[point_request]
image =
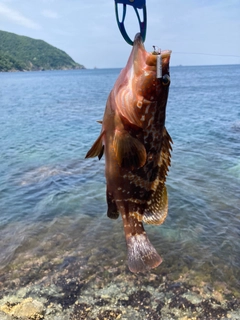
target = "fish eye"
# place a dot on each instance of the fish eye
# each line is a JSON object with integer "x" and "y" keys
{"x": 166, "y": 80}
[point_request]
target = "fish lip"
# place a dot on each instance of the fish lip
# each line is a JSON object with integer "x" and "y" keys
{"x": 166, "y": 53}
{"x": 138, "y": 39}
{"x": 138, "y": 49}
{"x": 138, "y": 43}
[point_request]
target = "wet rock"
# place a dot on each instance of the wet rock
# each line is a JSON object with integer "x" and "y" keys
{"x": 180, "y": 302}
{"x": 139, "y": 299}
{"x": 77, "y": 291}
{"x": 233, "y": 304}
{"x": 70, "y": 292}
{"x": 109, "y": 315}
{"x": 193, "y": 297}
{"x": 160, "y": 306}
{"x": 80, "y": 311}
{"x": 177, "y": 287}
{"x": 4, "y": 316}
{"x": 101, "y": 302}
{"x": 27, "y": 308}
{"x": 211, "y": 312}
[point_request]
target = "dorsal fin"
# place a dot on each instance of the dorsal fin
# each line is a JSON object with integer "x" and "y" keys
{"x": 165, "y": 154}
{"x": 97, "y": 148}
{"x": 157, "y": 207}
{"x": 130, "y": 152}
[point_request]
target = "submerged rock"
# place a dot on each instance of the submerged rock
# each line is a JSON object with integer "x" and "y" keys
{"x": 27, "y": 308}
{"x": 4, "y": 316}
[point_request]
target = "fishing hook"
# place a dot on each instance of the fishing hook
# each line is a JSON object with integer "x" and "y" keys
{"x": 136, "y": 4}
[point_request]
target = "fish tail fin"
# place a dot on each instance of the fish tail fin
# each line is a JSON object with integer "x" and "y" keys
{"x": 142, "y": 256}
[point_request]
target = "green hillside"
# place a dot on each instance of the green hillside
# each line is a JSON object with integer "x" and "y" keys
{"x": 20, "y": 53}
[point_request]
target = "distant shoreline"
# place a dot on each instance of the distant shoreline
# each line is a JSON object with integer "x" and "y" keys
{"x": 42, "y": 70}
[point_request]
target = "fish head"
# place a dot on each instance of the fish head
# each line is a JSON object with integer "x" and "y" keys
{"x": 145, "y": 80}
{"x": 150, "y": 74}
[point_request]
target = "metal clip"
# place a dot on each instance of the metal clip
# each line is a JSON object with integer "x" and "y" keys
{"x": 159, "y": 65}
{"x": 136, "y": 4}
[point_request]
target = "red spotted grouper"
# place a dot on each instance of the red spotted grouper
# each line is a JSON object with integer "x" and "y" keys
{"x": 137, "y": 149}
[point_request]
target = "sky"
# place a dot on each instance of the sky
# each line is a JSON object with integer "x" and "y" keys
{"x": 199, "y": 32}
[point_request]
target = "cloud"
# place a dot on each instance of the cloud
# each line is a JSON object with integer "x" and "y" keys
{"x": 50, "y": 14}
{"x": 17, "y": 17}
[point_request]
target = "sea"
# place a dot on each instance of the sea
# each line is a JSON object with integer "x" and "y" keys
{"x": 52, "y": 199}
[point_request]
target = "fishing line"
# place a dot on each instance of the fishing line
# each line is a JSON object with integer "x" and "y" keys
{"x": 208, "y": 54}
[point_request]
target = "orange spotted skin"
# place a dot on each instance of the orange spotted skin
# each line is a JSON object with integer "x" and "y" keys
{"x": 137, "y": 149}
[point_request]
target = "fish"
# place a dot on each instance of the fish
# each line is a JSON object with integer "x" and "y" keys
{"x": 137, "y": 149}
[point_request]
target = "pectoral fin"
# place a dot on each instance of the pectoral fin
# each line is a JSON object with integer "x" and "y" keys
{"x": 130, "y": 152}
{"x": 97, "y": 148}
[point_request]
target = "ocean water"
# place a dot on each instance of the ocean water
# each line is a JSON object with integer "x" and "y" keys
{"x": 52, "y": 200}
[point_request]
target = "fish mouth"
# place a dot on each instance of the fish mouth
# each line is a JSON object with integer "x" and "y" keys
{"x": 139, "y": 49}
{"x": 138, "y": 43}
{"x": 138, "y": 39}
{"x": 166, "y": 53}
{"x": 138, "y": 55}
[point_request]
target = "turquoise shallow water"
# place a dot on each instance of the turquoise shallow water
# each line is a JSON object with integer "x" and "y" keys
{"x": 52, "y": 200}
